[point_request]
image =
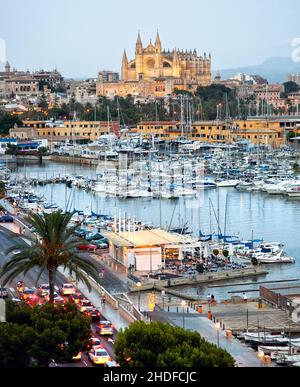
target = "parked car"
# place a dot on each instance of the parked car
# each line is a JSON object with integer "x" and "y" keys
{"x": 6, "y": 219}
{"x": 101, "y": 245}
{"x": 87, "y": 247}
{"x": 81, "y": 233}
{"x": 93, "y": 236}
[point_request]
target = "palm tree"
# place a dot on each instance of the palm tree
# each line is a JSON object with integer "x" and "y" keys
{"x": 54, "y": 245}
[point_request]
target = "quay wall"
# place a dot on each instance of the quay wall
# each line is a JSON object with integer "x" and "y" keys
{"x": 199, "y": 280}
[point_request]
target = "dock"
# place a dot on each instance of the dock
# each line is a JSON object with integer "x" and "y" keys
{"x": 203, "y": 279}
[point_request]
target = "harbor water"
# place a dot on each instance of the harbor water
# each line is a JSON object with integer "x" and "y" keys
{"x": 271, "y": 218}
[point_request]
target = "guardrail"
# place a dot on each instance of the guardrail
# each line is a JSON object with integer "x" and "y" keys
{"x": 126, "y": 314}
{"x": 101, "y": 290}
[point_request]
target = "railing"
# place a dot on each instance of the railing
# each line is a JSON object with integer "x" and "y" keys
{"x": 274, "y": 298}
{"x": 101, "y": 290}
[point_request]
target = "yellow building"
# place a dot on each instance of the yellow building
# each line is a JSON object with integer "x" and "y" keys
{"x": 157, "y": 72}
{"x": 73, "y": 130}
{"x": 255, "y": 131}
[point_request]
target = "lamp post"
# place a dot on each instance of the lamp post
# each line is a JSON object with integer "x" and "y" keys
{"x": 183, "y": 304}
{"x": 218, "y": 327}
{"x": 151, "y": 259}
{"x": 163, "y": 293}
{"x": 139, "y": 288}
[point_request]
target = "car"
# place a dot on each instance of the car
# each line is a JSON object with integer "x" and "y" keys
{"x": 101, "y": 245}
{"x": 99, "y": 356}
{"x": 100, "y": 240}
{"x": 27, "y": 293}
{"x": 81, "y": 233}
{"x": 3, "y": 293}
{"x": 93, "y": 342}
{"x": 76, "y": 298}
{"x": 47, "y": 297}
{"x": 105, "y": 328}
{"x": 35, "y": 300}
{"x": 87, "y": 247}
{"x": 77, "y": 357}
{"x": 111, "y": 363}
{"x": 59, "y": 301}
{"x": 93, "y": 313}
{"x": 67, "y": 290}
{"x": 91, "y": 236}
{"x": 44, "y": 290}
{"x": 6, "y": 219}
{"x": 84, "y": 304}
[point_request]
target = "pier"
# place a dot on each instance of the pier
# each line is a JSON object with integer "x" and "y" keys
{"x": 199, "y": 280}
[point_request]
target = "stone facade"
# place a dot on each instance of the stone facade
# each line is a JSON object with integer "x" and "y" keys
{"x": 157, "y": 72}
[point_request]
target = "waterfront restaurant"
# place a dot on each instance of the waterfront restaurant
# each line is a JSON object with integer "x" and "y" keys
{"x": 148, "y": 250}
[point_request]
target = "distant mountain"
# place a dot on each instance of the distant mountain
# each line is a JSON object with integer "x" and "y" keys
{"x": 273, "y": 69}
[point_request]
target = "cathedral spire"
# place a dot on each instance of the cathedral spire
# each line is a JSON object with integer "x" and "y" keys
{"x": 125, "y": 59}
{"x": 158, "y": 42}
{"x": 139, "y": 44}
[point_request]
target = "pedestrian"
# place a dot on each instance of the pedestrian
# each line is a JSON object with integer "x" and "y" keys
{"x": 209, "y": 298}
{"x": 245, "y": 297}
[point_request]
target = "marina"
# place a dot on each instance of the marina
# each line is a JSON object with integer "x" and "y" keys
{"x": 207, "y": 213}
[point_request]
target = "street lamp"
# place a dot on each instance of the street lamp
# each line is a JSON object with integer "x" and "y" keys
{"x": 163, "y": 293}
{"x": 261, "y": 356}
{"x": 218, "y": 327}
{"x": 139, "y": 288}
{"x": 183, "y": 304}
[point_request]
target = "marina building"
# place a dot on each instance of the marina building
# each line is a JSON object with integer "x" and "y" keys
{"x": 147, "y": 250}
{"x": 264, "y": 132}
{"x": 83, "y": 131}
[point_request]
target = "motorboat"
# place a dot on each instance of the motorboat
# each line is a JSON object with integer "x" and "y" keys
{"x": 228, "y": 183}
{"x": 265, "y": 339}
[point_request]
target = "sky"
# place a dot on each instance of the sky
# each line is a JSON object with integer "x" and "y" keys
{"x": 80, "y": 38}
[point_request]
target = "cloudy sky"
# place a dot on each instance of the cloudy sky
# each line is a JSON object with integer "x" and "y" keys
{"x": 82, "y": 37}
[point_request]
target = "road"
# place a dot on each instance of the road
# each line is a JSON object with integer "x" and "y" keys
{"x": 6, "y": 242}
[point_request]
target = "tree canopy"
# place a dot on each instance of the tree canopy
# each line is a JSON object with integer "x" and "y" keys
{"x": 32, "y": 337}
{"x": 291, "y": 87}
{"x": 162, "y": 345}
{"x": 8, "y": 121}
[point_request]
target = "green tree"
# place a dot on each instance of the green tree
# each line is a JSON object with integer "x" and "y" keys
{"x": 34, "y": 336}
{"x": 162, "y": 345}
{"x": 12, "y": 149}
{"x": 43, "y": 102}
{"x": 43, "y": 150}
{"x": 8, "y": 121}
{"x": 54, "y": 245}
{"x": 290, "y": 87}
